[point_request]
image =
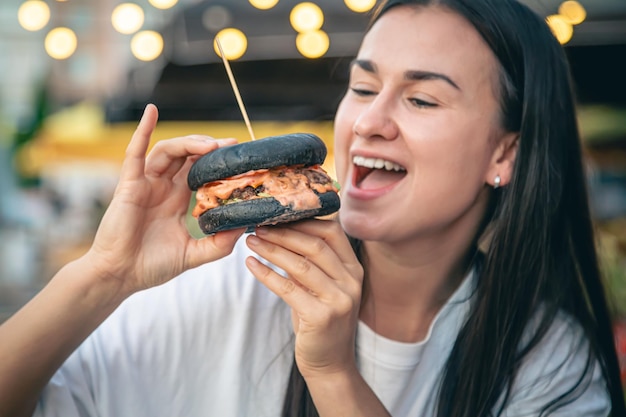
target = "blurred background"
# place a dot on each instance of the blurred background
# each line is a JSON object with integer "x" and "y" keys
{"x": 76, "y": 75}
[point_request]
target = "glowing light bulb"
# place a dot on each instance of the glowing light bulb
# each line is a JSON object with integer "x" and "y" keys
{"x": 60, "y": 43}
{"x": 33, "y": 15}
{"x": 163, "y": 4}
{"x": 312, "y": 44}
{"x": 127, "y": 18}
{"x": 360, "y": 6}
{"x": 233, "y": 41}
{"x": 263, "y": 4}
{"x": 306, "y": 17}
{"x": 560, "y": 27}
{"x": 146, "y": 45}
{"x": 573, "y": 11}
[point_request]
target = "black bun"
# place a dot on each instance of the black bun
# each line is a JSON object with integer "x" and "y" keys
{"x": 273, "y": 151}
{"x": 261, "y": 212}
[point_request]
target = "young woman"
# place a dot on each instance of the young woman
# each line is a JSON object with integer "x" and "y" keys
{"x": 460, "y": 280}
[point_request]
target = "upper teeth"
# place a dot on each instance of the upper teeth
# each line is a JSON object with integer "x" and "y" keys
{"x": 376, "y": 163}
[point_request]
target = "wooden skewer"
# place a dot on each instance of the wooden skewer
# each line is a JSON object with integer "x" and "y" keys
{"x": 242, "y": 108}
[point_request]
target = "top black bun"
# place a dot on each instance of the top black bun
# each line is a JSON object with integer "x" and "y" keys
{"x": 274, "y": 151}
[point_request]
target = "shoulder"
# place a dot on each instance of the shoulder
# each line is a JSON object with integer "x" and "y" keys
{"x": 561, "y": 371}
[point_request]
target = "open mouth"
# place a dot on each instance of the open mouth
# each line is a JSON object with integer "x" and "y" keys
{"x": 376, "y": 173}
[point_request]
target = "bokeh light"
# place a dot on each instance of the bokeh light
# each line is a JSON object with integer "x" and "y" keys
{"x": 360, "y": 6}
{"x": 33, "y": 15}
{"x": 573, "y": 11}
{"x": 127, "y": 18}
{"x": 312, "y": 44}
{"x": 306, "y": 17}
{"x": 216, "y": 18}
{"x": 233, "y": 41}
{"x": 560, "y": 27}
{"x": 146, "y": 45}
{"x": 163, "y": 4}
{"x": 61, "y": 43}
{"x": 263, "y": 4}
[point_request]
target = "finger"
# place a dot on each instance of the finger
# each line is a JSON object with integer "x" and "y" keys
{"x": 297, "y": 297}
{"x": 296, "y": 266}
{"x": 323, "y": 243}
{"x": 179, "y": 178}
{"x": 333, "y": 234}
{"x": 133, "y": 165}
{"x": 180, "y": 189}
{"x": 211, "y": 248}
{"x": 168, "y": 156}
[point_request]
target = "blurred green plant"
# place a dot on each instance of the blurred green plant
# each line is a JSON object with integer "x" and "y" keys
{"x": 612, "y": 243}
{"x": 612, "y": 253}
{"x": 28, "y": 130}
{"x": 601, "y": 123}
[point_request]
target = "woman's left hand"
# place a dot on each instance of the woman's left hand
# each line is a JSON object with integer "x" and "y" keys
{"x": 322, "y": 287}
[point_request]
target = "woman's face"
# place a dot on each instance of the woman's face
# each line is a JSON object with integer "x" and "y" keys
{"x": 416, "y": 131}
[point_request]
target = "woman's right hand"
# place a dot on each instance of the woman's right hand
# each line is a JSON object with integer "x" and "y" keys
{"x": 142, "y": 240}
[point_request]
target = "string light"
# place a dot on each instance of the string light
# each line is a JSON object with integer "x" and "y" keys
{"x": 33, "y": 15}
{"x": 127, "y": 18}
{"x": 573, "y": 11}
{"x": 263, "y": 4}
{"x": 60, "y": 43}
{"x": 146, "y": 45}
{"x": 234, "y": 43}
{"x": 163, "y": 4}
{"x": 560, "y": 27}
{"x": 360, "y": 6}
{"x": 312, "y": 44}
{"x": 306, "y": 17}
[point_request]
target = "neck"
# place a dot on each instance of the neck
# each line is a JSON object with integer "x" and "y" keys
{"x": 405, "y": 289}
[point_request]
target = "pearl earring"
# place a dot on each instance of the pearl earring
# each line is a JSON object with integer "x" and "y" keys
{"x": 496, "y": 182}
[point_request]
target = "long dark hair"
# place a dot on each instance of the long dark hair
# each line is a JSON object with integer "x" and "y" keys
{"x": 541, "y": 260}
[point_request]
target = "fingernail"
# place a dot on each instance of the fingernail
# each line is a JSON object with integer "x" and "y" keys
{"x": 252, "y": 262}
{"x": 261, "y": 231}
{"x": 253, "y": 240}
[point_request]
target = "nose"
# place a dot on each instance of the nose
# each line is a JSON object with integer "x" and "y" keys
{"x": 376, "y": 120}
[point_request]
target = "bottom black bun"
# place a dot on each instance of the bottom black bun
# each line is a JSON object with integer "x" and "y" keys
{"x": 261, "y": 212}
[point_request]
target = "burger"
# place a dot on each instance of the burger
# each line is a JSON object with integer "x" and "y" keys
{"x": 268, "y": 181}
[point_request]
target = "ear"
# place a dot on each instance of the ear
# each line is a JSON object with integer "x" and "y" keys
{"x": 503, "y": 159}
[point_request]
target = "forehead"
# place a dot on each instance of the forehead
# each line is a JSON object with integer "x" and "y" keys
{"x": 429, "y": 38}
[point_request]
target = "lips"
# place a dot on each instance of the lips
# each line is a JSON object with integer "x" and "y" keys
{"x": 376, "y": 173}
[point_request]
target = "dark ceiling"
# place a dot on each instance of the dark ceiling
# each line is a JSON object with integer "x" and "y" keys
{"x": 276, "y": 83}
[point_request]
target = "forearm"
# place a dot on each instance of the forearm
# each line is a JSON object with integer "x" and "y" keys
{"x": 36, "y": 341}
{"x": 345, "y": 395}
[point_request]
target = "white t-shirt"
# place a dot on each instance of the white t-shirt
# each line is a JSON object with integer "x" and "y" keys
{"x": 216, "y": 342}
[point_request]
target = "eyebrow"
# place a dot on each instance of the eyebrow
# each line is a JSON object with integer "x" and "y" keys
{"x": 410, "y": 75}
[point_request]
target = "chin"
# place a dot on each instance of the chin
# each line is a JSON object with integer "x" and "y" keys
{"x": 361, "y": 226}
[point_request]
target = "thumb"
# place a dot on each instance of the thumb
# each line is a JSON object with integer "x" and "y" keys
{"x": 211, "y": 248}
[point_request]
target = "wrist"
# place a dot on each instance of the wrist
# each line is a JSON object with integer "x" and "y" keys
{"x": 98, "y": 285}
{"x": 343, "y": 392}
{"x": 341, "y": 377}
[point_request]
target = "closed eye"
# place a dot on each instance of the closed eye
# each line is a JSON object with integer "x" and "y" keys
{"x": 421, "y": 103}
{"x": 361, "y": 92}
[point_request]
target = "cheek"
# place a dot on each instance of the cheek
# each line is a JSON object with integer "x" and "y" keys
{"x": 343, "y": 137}
{"x": 445, "y": 161}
